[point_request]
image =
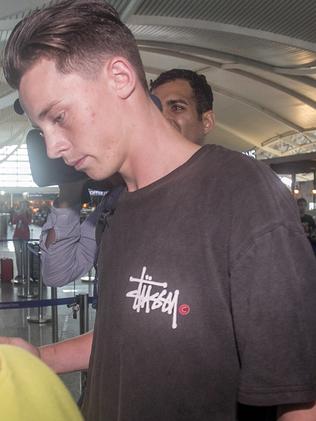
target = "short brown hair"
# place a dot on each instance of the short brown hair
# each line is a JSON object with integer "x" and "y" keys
{"x": 76, "y": 34}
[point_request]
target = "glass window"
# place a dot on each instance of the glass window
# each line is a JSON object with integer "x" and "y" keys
{"x": 15, "y": 170}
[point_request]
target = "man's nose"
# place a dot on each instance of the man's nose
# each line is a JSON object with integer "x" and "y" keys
{"x": 54, "y": 145}
{"x": 169, "y": 117}
{"x": 173, "y": 123}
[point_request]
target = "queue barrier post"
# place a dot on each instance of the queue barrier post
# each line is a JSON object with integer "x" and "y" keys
{"x": 84, "y": 313}
{"x": 54, "y": 316}
{"x": 26, "y": 268}
{"x": 21, "y": 251}
{"x": 40, "y": 319}
{"x": 83, "y": 301}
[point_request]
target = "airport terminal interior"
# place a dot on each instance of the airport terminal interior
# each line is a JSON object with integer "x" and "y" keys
{"x": 35, "y": 324}
{"x": 260, "y": 59}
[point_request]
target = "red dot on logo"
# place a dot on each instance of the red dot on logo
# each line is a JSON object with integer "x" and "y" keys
{"x": 184, "y": 309}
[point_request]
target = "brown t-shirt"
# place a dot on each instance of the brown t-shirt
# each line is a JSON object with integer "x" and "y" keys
{"x": 207, "y": 297}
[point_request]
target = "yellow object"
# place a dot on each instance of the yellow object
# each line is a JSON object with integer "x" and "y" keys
{"x": 30, "y": 391}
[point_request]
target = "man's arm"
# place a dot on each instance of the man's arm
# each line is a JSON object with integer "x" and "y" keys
{"x": 62, "y": 357}
{"x": 69, "y": 355}
{"x": 302, "y": 412}
{"x": 69, "y": 198}
{"x": 71, "y": 246}
{"x": 68, "y": 248}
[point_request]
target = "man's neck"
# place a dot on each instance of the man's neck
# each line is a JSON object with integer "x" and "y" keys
{"x": 155, "y": 150}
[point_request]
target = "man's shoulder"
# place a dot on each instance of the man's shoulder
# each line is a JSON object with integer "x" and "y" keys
{"x": 236, "y": 165}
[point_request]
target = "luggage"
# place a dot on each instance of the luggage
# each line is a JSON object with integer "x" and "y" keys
{"x": 35, "y": 264}
{"x": 6, "y": 267}
{"x": 35, "y": 267}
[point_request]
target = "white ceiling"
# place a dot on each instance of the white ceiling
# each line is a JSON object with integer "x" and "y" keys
{"x": 258, "y": 55}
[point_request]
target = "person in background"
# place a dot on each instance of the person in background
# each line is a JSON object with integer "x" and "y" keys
{"x": 22, "y": 218}
{"x": 200, "y": 290}
{"x": 68, "y": 247}
{"x": 307, "y": 222}
{"x": 306, "y": 219}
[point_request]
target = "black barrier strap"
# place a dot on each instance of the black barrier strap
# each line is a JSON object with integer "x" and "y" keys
{"x": 39, "y": 303}
{"x": 6, "y": 240}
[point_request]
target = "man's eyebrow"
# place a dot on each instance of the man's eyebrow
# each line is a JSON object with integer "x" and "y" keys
{"x": 177, "y": 101}
{"x": 47, "y": 109}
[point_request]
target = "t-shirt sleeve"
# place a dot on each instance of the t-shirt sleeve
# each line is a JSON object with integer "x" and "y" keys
{"x": 273, "y": 298}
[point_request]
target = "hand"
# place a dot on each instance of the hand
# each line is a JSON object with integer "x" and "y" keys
{"x": 70, "y": 193}
{"x": 21, "y": 343}
{"x": 297, "y": 412}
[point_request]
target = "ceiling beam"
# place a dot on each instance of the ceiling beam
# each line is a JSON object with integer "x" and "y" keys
{"x": 302, "y": 98}
{"x": 207, "y": 25}
{"x": 211, "y": 63}
{"x": 275, "y": 116}
{"x": 232, "y": 59}
{"x": 12, "y": 8}
{"x": 244, "y": 138}
{"x": 129, "y": 10}
{"x": 298, "y": 148}
{"x": 300, "y": 71}
{"x": 287, "y": 134}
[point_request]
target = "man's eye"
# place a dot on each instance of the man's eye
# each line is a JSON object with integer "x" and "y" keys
{"x": 177, "y": 108}
{"x": 60, "y": 118}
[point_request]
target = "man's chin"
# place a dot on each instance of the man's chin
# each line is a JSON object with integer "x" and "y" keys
{"x": 95, "y": 175}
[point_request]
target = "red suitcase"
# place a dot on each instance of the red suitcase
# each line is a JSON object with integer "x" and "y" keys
{"x": 6, "y": 266}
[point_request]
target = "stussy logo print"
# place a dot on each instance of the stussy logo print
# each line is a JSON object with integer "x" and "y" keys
{"x": 148, "y": 298}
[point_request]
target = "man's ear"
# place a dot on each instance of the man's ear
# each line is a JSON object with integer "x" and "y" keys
{"x": 208, "y": 120}
{"x": 122, "y": 76}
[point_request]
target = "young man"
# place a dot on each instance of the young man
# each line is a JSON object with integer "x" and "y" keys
{"x": 208, "y": 297}
{"x": 68, "y": 247}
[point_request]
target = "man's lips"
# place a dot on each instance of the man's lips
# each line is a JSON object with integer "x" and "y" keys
{"x": 77, "y": 164}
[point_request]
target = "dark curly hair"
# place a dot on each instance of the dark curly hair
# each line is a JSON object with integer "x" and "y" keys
{"x": 201, "y": 89}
